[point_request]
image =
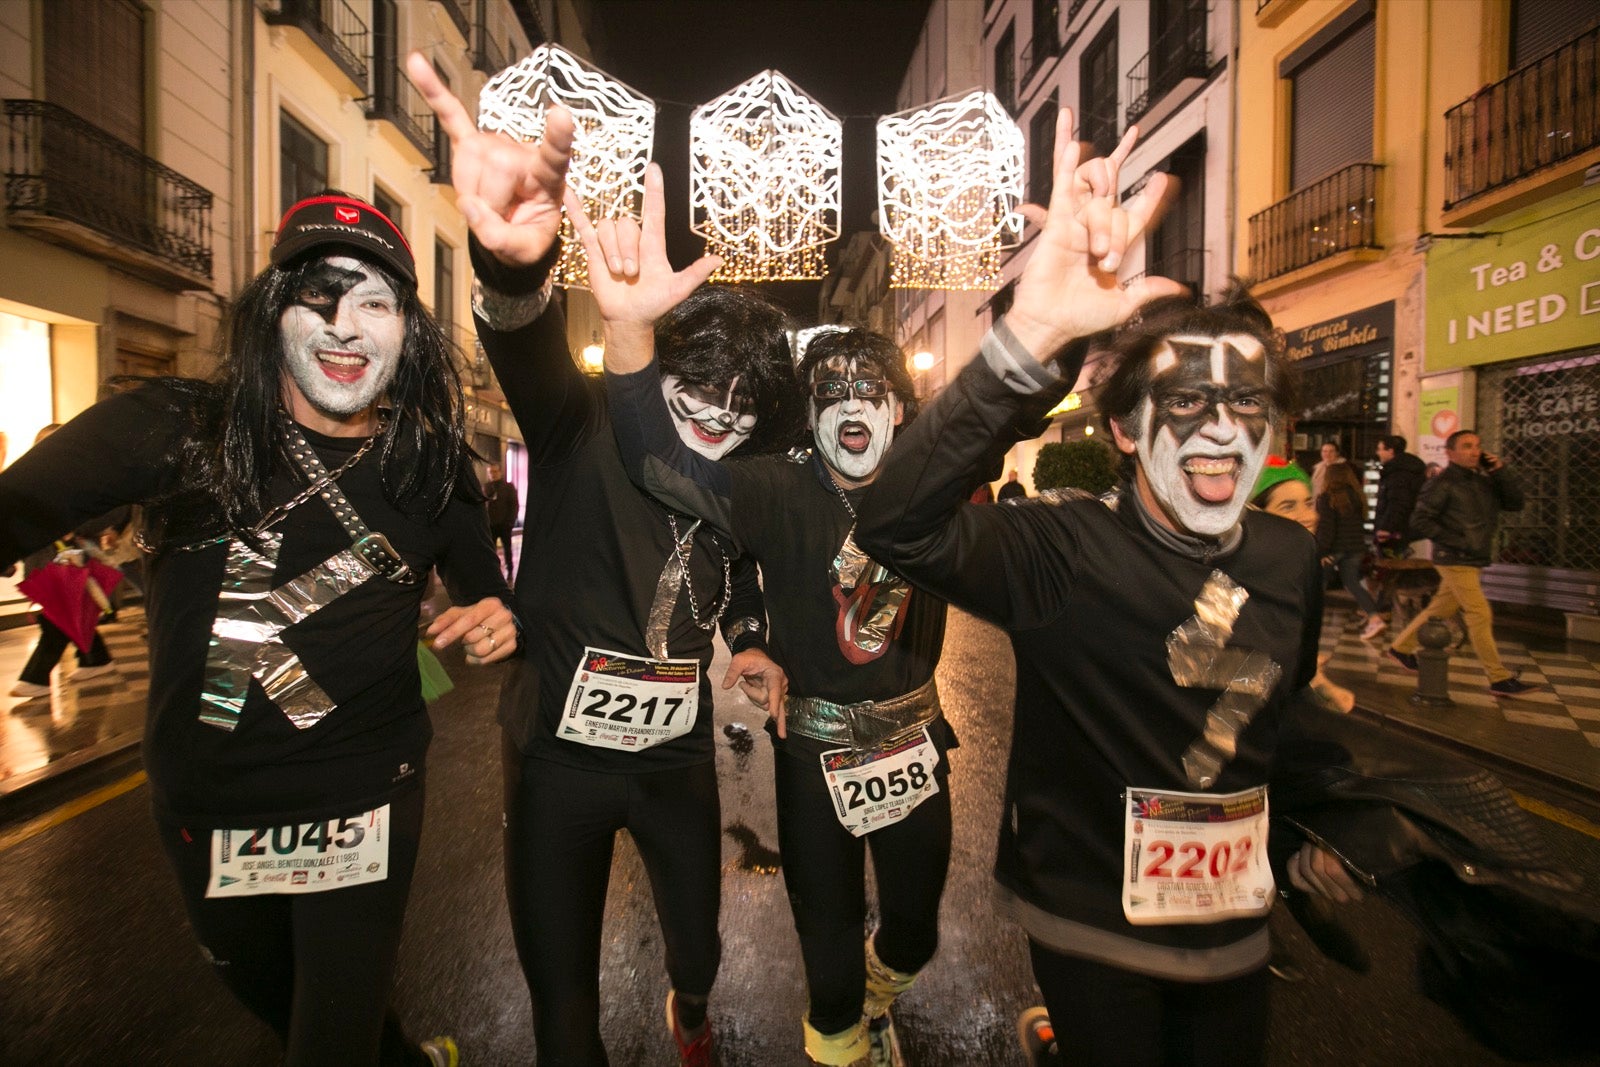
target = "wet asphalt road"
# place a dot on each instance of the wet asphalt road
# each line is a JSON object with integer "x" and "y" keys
{"x": 97, "y": 965}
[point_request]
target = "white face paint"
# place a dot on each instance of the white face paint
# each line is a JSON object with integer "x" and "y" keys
{"x": 1205, "y": 430}
{"x": 852, "y": 433}
{"x": 341, "y": 336}
{"x": 712, "y": 419}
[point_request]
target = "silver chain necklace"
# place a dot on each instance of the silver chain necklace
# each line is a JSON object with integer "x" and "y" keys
{"x": 839, "y": 490}
{"x": 683, "y": 548}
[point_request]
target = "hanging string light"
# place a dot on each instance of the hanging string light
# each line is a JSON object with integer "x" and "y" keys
{"x": 949, "y": 185}
{"x": 764, "y": 180}
{"x": 615, "y": 126}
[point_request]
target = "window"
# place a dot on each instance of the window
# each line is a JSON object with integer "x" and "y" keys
{"x": 94, "y": 64}
{"x": 444, "y": 287}
{"x": 1541, "y": 26}
{"x": 1176, "y": 247}
{"x": 302, "y": 162}
{"x": 1046, "y": 30}
{"x": 441, "y": 139}
{"x": 1331, "y": 81}
{"x": 385, "y": 202}
{"x": 1041, "y": 151}
{"x": 1005, "y": 69}
{"x": 1097, "y": 91}
{"x": 385, "y": 54}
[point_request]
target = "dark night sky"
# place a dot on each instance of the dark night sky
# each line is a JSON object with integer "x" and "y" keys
{"x": 848, "y": 55}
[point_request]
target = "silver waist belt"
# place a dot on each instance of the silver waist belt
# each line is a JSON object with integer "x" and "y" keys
{"x": 866, "y": 723}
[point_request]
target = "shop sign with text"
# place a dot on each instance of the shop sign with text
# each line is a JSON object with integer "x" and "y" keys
{"x": 1359, "y": 333}
{"x": 1531, "y": 287}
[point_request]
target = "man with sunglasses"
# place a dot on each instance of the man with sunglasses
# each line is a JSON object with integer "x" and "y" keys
{"x": 860, "y": 741}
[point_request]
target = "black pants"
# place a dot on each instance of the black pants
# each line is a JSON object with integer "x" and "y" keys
{"x": 47, "y": 653}
{"x": 500, "y": 536}
{"x": 1105, "y": 1015}
{"x": 824, "y": 868}
{"x": 561, "y": 824}
{"x": 316, "y": 967}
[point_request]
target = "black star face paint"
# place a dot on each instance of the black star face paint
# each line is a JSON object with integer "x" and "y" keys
{"x": 341, "y": 336}
{"x": 853, "y": 415}
{"x": 711, "y": 419}
{"x": 1205, "y": 430}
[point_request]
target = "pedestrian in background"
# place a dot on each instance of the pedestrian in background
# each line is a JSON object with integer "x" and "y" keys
{"x": 1342, "y": 539}
{"x": 1332, "y": 456}
{"x": 500, "y": 497}
{"x": 1459, "y": 512}
{"x": 1400, "y": 479}
{"x": 1012, "y": 488}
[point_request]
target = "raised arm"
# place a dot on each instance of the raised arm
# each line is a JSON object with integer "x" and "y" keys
{"x": 913, "y": 518}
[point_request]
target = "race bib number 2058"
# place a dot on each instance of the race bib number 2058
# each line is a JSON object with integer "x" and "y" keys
{"x": 308, "y": 857}
{"x": 871, "y": 790}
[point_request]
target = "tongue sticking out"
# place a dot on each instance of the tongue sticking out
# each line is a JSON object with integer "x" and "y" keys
{"x": 1213, "y": 481}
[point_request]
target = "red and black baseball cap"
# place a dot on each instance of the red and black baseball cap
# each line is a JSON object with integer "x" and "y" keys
{"x": 330, "y": 219}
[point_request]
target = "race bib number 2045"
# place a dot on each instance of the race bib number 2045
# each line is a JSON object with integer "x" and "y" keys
{"x": 308, "y": 857}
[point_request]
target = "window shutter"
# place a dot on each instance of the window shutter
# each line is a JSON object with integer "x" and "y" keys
{"x": 1332, "y": 107}
{"x": 1540, "y": 26}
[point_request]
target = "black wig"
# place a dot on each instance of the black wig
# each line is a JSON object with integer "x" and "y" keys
{"x": 869, "y": 345}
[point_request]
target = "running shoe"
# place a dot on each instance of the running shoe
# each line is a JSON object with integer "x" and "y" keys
{"x": 1376, "y": 624}
{"x": 83, "y": 674}
{"x": 1038, "y": 1038}
{"x": 697, "y": 1051}
{"x": 441, "y": 1051}
{"x": 885, "y": 1043}
{"x": 1511, "y": 687}
{"x": 30, "y": 690}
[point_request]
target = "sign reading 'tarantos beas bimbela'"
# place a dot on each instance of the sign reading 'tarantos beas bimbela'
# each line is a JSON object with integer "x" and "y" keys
{"x": 1530, "y": 288}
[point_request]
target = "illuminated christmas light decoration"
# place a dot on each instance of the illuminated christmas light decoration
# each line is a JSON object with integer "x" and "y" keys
{"x": 764, "y": 180}
{"x": 949, "y": 185}
{"x": 615, "y": 126}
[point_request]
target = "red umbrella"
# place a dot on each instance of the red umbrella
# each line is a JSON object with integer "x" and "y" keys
{"x": 62, "y": 592}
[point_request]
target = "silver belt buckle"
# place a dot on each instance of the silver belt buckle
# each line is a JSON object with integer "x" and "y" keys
{"x": 375, "y": 550}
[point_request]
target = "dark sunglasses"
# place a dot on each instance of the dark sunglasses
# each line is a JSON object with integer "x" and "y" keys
{"x": 865, "y": 388}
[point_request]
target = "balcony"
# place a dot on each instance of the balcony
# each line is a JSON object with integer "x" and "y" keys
{"x": 1036, "y": 53}
{"x": 335, "y": 27}
{"x": 488, "y": 56}
{"x": 1334, "y": 215}
{"x": 1186, "y": 266}
{"x": 1529, "y": 122}
{"x": 1177, "y": 59}
{"x": 394, "y": 99}
{"x": 458, "y": 15}
{"x": 74, "y": 184}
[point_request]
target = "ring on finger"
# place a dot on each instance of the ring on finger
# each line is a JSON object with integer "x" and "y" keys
{"x": 491, "y": 643}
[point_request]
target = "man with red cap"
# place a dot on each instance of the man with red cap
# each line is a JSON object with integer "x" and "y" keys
{"x": 295, "y": 503}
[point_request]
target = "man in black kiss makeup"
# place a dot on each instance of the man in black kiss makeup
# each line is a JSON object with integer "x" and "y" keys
{"x": 294, "y": 505}
{"x": 1163, "y": 636}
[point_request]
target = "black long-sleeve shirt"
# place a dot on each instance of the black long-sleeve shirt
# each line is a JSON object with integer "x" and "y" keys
{"x": 360, "y": 648}
{"x": 593, "y": 549}
{"x": 1089, "y": 594}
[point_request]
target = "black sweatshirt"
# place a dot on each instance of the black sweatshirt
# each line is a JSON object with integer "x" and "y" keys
{"x": 361, "y": 648}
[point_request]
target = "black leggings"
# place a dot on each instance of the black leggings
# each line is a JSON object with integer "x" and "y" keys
{"x": 316, "y": 967}
{"x": 561, "y": 824}
{"x": 1105, "y": 1015}
{"x": 47, "y": 653}
{"x": 824, "y": 867}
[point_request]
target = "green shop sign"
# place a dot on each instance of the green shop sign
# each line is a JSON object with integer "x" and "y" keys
{"x": 1530, "y": 288}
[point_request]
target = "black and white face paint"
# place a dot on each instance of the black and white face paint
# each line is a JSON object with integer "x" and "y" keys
{"x": 342, "y": 334}
{"x": 1205, "y": 429}
{"x": 712, "y": 419}
{"x": 853, "y": 415}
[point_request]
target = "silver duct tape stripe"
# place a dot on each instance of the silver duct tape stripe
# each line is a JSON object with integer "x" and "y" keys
{"x": 851, "y": 563}
{"x": 852, "y": 568}
{"x": 246, "y": 641}
{"x": 865, "y": 724}
{"x": 658, "y": 624}
{"x": 1197, "y": 659}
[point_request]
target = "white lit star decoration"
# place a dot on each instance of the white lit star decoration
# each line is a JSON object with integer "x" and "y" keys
{"x": 610, "y": 145}
{"x": 949, "y": 185}
{"x": 764, "y": 180}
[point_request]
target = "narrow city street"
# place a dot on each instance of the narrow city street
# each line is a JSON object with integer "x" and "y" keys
{"x": 97, "y": 965}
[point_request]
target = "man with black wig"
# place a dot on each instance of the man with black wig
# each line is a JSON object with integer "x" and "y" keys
{"x": 1163, "y": 637}
{"x": 296, "y": 503}
{"x": 608, "y": 717}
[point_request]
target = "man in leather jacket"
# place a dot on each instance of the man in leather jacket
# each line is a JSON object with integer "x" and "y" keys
{"x": 1458, "y": 511}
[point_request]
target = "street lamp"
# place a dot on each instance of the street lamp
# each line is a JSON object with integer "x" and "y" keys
{"x": 922, "y": 361}
{"x": 594, "y": 357}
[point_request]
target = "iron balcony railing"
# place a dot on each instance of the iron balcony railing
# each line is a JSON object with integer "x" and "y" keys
{"x": 458, "y": 15}
{"x": 60, "y": 167}
{"x": 1538, "y": 115}
{"x": 334, "y": 25}
{"x": 1186, "y": 265}
{"x": 396, "y": 100}
{"x": 1177, "y": 54}
{"x": 1330, "y": 216}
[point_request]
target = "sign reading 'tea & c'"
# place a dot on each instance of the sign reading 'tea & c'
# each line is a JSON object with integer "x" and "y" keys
{"x": 1531, "y": 288}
